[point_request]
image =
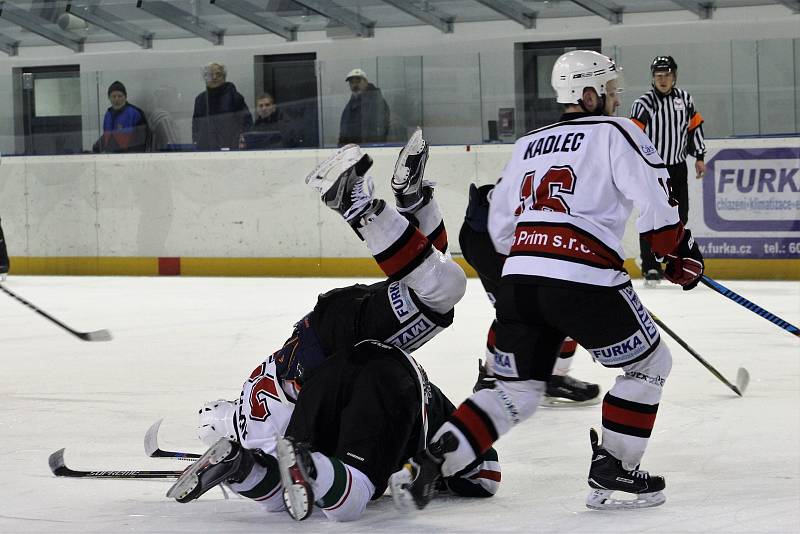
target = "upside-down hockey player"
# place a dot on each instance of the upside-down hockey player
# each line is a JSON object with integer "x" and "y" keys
{"x": 559, "y": 213}
{"x": 350, "y": 401}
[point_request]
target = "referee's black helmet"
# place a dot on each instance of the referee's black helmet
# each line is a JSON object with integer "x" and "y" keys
{"x": 662, "y": 64}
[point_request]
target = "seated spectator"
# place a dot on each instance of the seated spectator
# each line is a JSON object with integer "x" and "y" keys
{"x": 269, "y": 127}
{"x": 220, "y": 112}
{"x": 124, "y": 126}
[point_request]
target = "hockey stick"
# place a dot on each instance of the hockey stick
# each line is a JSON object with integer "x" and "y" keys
{"x": 152, "y": 449}
{"x": 60, "y": 469}
{"x": 97, "y": 335}
{"x": 742, "y": 376}
{"x": 755, "y": 308}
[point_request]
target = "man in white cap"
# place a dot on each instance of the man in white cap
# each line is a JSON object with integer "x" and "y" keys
{"x": 365, "y": 118}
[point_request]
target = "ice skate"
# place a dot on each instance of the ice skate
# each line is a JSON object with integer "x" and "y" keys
{"x": 652, "y": 278}
{"x": 225, "y": 461}
{"x": 407, "y": 182}
{"x": 566, "y": 391}
{"x": 297, "y": 470}
{"x": 485, "y": 381}
{"x": 607, "y": 475}
{"x": 417, "y": 481}
{"x": 343, "y": 185}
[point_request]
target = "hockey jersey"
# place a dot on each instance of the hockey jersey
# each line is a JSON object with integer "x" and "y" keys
{"x": 264, "y": 408}
{"x": 560, "y": 207}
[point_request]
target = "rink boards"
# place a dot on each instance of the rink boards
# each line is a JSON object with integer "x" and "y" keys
{"x": 249, "y": 213}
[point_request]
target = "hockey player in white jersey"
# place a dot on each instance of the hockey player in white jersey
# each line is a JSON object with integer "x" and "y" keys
{"x": 559, "y": 213}
{"x": 331, "y": 415}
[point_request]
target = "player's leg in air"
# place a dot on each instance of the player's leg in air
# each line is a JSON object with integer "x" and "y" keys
{"x": 620, "y": 335}
{"x": 476, "y": 246}
{"x": 408, "y": 241}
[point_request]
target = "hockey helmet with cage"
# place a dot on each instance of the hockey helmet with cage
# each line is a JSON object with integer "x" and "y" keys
{"x": 663, "y": 64}
{"x": 576, "y": 70}
{"x": 217, "y": 420}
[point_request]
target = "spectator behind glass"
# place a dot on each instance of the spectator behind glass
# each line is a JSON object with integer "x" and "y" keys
{"x": 124, "y": 126}
{"x": 365, "y": 118}
{"x": 164, "y": 133}
{"x": 220, "y": 112}
{"x": 268, "y": 128}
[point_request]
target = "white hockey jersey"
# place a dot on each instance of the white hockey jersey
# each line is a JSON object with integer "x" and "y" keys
{"x": 264, "y": 408}
{"x": 560, "y": 207}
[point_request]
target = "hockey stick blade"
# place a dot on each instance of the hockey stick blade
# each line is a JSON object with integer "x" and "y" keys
{"x": 98, "y": 335}
{"x": 60, "y": 469}
{"x": 152, "y": 449}
{"x": 745, "y": 377}
{"x": 742, "y": 380}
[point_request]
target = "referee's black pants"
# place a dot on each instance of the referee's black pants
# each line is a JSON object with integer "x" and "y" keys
{"x": 679, "y": 190}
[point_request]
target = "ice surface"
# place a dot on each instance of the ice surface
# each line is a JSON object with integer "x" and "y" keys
{"x": 732, "y": 464}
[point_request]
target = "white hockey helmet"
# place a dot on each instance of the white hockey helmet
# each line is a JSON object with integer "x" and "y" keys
{"x": 579, "y": 69}
{"x": 217, "y": 420}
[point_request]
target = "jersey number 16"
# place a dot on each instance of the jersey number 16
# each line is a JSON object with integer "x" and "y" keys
{"x": 556, "y": 182}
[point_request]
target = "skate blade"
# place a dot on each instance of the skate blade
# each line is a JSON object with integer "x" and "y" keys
{"x": 327, "y": 173}
{"x": 414, "y": 147}
{"x": 601, "y": 499}
{"x": 297, "y": 494}
{"x": 189, "y": 480}
{"x": 560, "y": 402}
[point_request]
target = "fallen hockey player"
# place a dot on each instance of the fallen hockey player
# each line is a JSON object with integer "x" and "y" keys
{"x": 330, "y": 416}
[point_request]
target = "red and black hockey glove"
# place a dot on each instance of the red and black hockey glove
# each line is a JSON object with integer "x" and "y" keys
{"x": 685, "y": 265}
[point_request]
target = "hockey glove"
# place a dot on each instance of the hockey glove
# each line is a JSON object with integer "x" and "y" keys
{"x": 685, "y": 265}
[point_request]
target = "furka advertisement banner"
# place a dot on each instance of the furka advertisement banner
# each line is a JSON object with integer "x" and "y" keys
{"x": 750, "y": 201}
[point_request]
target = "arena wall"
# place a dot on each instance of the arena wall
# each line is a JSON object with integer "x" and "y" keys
{"x": 250, "y": 214}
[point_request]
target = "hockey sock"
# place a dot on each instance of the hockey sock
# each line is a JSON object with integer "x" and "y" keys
{"x": 263, "y": 481}
{"x": 397, "y": 245}
{"x": 430, "y": 223}
{"x": 627, "y": 426}
{"x": 564, "y": 360}
{"x": 333, "y": 481}
{"x": 491, "y": 413}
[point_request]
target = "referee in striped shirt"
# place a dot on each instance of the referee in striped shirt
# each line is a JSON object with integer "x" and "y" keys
{"x": 668, "y": 117}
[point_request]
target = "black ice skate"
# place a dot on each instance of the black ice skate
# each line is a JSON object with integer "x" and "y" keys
{"x": 417, "y": 481}
{"x": 566, "y": 391}
{"x": 485, "y": 380}
{"x": 652, "y": 278}
{"x": 607, "y": 475}
{"x": 407, "y": 183}
{"x": 225, "y": 461}
{"x": 342, "y": 182}
{"x": 297, "y": 470}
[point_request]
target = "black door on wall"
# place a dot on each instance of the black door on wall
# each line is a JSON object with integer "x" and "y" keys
{"x": 51, "y": 109}
{"x": 538, "y": 59}
{"x": 291, "y": 79}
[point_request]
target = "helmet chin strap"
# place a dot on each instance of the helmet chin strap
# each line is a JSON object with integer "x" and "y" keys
{"x": 600, "y": 108}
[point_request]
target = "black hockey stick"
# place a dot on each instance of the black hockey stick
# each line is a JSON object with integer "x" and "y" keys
{"x": 152, "y": 449}
{"x": 60, "y": 469}
{"x": 755, "y": 308}
{"x": 742, "y": 376}
{"x": 97, "y": 335}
